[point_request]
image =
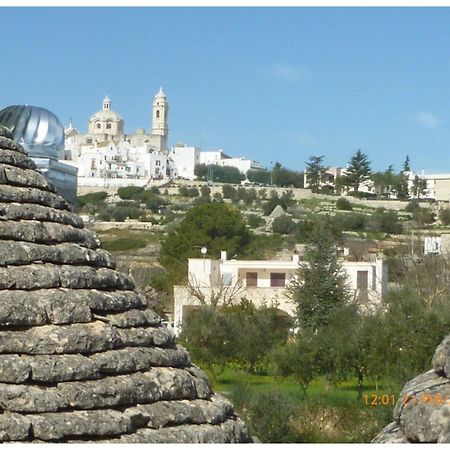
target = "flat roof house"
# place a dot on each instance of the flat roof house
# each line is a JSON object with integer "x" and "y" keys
{"x": 265, "y": 283}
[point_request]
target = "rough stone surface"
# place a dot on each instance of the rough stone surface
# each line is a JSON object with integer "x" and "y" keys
{"x": 82, "y": 357}
{"x": 422, "y": 412}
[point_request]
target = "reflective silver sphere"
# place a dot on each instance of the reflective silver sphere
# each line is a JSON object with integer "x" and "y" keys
{"x": 37, "y": 129}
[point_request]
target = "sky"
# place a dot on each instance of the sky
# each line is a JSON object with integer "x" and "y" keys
{"x": 271, "y": 84}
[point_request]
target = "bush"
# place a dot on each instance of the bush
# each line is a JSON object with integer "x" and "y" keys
{"x": 188, "y": 192}
{"x": 412, "y": 206}
{"x": 205, "y": 191}
{"x": 284, "y": 225}
{"x": 155, "y": 203}
{"x": 366, "y": 195}
{"x": 229, "y": 192}
{"x": 444, "y": 216}
{"x": 385, "y": 221}
{"x": 343, "y": 204}
{"x": 270, "y": 414}
{"x": 349, "y": 222}
{"x": 217, "y": 197}
{"x": 155, "y": 190}
{"x": 93, "y": 198}
{"x": 255, "y": 221}
{"x": 129, "y": 192}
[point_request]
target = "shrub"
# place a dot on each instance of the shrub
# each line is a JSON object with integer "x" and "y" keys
{"x": 183, "y": 191}
{"x": 255, "y": 221}
{"x": 129, "y": 192}
{"x": 366, "y": 195}
{"x": 270, "y": 414}
{"x": 217, "y": 197}
{"x": 229, "y": 192}
{"x": 93, "y": 198}
{"x": 343, "y": 204}
{"x": 444, "y": 216}
{"x": 385, "y": 221}
{"x": 412, "y": 206}
{"x": 193, "y": 192}
{"x": 284, "y": 225}
{"x": 155, "y": 190}
{"x": 205, "y": 191}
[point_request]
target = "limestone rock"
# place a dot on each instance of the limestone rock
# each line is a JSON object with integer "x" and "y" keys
{"x": 422, "y": 412}
{"x": 82, "y": 357}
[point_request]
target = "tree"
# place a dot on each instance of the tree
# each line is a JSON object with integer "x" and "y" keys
{"x": 406, "y": 167}
{"x": 258, "y": 176}
{"x": 400, "y": 187}
{"x": 200, "y": 171}
{"x": 321, "y": 285}
{"x": 444, "y": 216}
{"x": 315, "y": 171}
{"x": 419, "y": 187}
{"x": 217, "y": 226}
{"x": 358, "y": 170}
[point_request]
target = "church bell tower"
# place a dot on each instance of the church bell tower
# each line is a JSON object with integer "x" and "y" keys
{"x": 160, "y": 127}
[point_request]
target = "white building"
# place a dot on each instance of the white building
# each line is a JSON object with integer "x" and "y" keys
{"x": 106, "y": 152}
{"x": 184, "y": 159}
{"x": 265, "y": 282}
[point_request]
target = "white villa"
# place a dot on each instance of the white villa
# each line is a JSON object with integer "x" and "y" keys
{"x": 265, "y": 282}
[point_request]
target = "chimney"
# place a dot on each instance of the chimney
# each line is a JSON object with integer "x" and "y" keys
{"x": 223, "y": 255}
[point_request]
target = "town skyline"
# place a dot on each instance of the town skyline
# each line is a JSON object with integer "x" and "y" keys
{"x": 297, "y": 82}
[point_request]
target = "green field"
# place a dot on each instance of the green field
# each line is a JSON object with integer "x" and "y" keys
{"x": 326, "y": 414}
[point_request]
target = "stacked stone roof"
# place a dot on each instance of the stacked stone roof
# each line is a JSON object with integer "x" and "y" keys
{"x": 422, "y": 412}
{"x": 82, "y": 357}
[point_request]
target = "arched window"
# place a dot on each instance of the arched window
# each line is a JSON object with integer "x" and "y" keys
{"x": 157, "y": 113}
{"x": 108, "y": 126}
{"x": 99, "y": 125}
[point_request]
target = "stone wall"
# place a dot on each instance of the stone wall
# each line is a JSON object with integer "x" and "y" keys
{"x": 82, "y": 355}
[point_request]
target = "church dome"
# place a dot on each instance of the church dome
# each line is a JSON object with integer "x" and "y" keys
{"x": 104, "y": 116}
{"x": 38, "y": 130}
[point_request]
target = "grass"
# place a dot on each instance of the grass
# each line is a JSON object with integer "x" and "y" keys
{"x": 123, "y": 240}
{"x": 326, "y": 414}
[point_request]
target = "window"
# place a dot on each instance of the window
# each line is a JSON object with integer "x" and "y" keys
{"x": 227, "y": 279}
{"x": 88, "y": 141}
{"x": 99, "y": 125}
{"x": 277, "y": 279}
{"x": 157, "y": 113}
{"x": 251, "y": 279}
{"x": 362, "y": 280}
{"x": 158, "y": 163}
{"x": 108, "y": 126}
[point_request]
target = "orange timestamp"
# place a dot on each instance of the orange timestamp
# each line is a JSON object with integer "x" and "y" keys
{"x": 389, "y": 399}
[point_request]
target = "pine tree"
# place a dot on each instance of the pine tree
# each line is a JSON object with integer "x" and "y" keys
{"x": 358, "y": 170}
{"x": 315, "y": 170}
{"x": 321, "y": 285}
{"x": 406, "y": 167}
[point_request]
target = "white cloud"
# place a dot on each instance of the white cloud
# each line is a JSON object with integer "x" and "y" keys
{"x": 287, "y": 72}
{"x": 427, "y": 119}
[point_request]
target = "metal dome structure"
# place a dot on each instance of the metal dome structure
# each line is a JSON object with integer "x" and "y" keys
{"x": 37, "y": 129}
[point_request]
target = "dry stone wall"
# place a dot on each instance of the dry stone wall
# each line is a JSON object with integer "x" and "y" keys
{"x": 422, "y": 412}
{"x": 82, "y": 356}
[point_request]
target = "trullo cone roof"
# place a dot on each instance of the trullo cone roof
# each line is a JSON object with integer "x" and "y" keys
{"x": 82, "y": 358}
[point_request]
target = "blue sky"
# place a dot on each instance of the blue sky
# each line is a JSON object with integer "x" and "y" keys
{"x": 273, "y": 84}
